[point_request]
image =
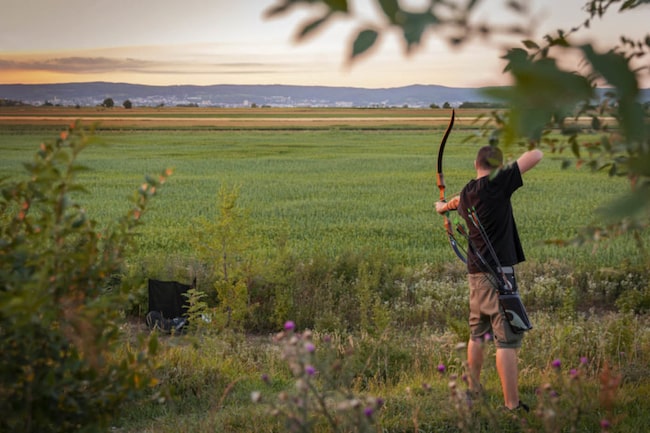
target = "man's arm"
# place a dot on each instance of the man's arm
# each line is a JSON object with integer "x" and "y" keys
{"x": 529, "y": 160}
{"x": 452, "y": 204}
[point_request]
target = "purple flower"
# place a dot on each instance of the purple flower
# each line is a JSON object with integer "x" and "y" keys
{"x": 441, "y": 368}
{"x": 265, "y": 378}
{"x": 368, "y": 411}
{"x": 573, "y": 372}
{"x": 310, "y": 370}
{"x": 289, "y": 325}
{"x": 584, "y": 360}
{"x": 556, "y": 363}
{"x": 309, "y": 347}
{"x": 604, "y": 424}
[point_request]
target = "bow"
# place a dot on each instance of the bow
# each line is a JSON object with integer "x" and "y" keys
{"x": 441, "y": 186}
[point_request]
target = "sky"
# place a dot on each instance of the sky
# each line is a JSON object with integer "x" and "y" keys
{"x": 206, "y": 42}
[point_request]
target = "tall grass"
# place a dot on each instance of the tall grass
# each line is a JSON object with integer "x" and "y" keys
{"x": 575, "y": 373}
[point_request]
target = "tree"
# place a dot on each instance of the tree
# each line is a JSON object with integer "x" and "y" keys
{"x": 544, "y": 96}
{"x": 127, "y": 104}
{"x": 108, "y": 103}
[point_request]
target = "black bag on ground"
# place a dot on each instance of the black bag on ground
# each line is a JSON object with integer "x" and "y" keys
{"x": 167, "y": 305}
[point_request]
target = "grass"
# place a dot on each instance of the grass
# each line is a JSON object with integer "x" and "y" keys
{"x": 329, "y": 191}
{"x": 563, "y": 365}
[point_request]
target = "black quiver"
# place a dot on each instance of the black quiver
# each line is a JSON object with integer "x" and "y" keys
{"x": 513, "y": 308}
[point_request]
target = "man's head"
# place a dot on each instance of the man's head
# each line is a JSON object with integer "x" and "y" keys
{"x": 489, "y": 158}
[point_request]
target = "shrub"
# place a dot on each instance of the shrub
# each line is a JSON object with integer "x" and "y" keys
{"x": 59, "y": 305}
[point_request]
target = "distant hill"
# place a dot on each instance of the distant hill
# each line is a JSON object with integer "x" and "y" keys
{"x": 90, "y": 94}
{"x": 227, "y": 95}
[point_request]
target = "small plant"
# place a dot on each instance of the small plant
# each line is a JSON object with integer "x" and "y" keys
{"x": 226, "y": 244}
{"x": 322, "y": 395}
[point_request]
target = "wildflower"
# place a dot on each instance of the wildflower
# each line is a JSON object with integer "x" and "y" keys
{"x": 310, "y": 370}
{"x": 289, "y": 325}
{"x": 604, "y": 424}
{"x": 584, "y": 360}
{"x": 556, "y": 364}
{"x": 441, "y": 368}
{"x": 265, "y": 378}
{"x": 368, "y": 411}
{"x": 573, "y": 373}
{"x": 309, "y": 347}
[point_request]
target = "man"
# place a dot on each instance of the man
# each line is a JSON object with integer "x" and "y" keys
{"x": 489, "y": 195}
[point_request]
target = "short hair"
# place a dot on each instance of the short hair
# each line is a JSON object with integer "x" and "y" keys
{"x": 489, "y": 157}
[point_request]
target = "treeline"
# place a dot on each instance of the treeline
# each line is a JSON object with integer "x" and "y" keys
{"x": 11, "y": 103}
{"x": 468, "y": 104}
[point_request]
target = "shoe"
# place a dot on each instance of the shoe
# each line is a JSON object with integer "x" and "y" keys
{"x": 521, "y": 406}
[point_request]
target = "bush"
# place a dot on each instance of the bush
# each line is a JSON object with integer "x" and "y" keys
{"x": 60, "y": 307}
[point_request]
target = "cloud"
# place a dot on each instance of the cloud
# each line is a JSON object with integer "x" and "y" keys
{"x": 101, "y": 65}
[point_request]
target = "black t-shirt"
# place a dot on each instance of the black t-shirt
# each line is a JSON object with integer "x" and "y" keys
{"x": 491, "y": 199}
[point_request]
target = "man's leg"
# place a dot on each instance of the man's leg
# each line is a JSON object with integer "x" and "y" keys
{"x": 475, "y": 361}
{"x": 508, "y": 373}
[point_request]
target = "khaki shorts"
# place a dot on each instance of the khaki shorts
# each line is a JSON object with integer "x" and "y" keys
{"x": 486, "y": 315}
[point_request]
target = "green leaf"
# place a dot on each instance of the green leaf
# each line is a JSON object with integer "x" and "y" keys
{"x": 363, "y": 42}
{"x": 541, "y": 93}
{"x": 312, "y": 26}
{"x": 414, "y": 25}
{"x": 279, "y": 9}
{"x": 531, "y": 45}
{"x": 390, "y": 8}
{"x": 337, "y": 5}
{"x": 614, "y": 68}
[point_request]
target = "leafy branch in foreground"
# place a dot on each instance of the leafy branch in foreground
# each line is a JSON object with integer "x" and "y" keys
{"x": 59, "y": 313}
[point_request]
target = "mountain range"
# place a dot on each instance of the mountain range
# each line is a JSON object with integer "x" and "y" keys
{"x": 230, "y": 95}
{"x": 91, "y": 94}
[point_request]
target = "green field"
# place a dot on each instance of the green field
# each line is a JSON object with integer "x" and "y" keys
{"x": 326, "y": 190}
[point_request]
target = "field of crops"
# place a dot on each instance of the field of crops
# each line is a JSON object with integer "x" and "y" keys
{"x": 329, "y": 189}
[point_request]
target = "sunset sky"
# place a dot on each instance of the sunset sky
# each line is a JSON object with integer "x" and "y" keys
{"x": 232, "y": 42}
